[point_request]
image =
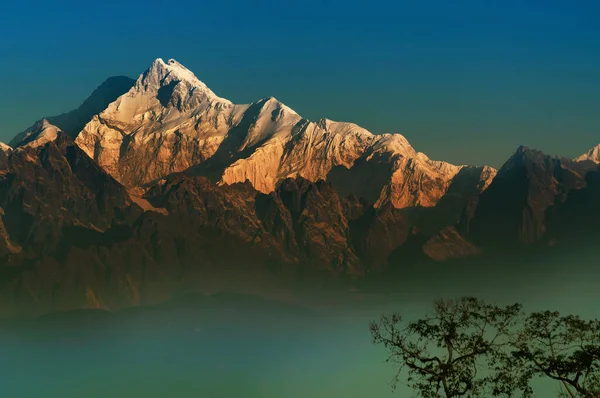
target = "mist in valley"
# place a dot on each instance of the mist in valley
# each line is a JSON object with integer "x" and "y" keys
{"x": 237, "y": 339}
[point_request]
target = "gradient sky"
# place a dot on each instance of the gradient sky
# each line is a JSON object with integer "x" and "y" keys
{"x": 465, "y": 81}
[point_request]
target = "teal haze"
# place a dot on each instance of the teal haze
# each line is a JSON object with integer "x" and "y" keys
{"x": 269, "y": 351}
{"x": 466, "y": 82}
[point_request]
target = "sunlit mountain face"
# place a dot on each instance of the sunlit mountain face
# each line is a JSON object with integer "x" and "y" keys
{"x": 160, "y": 240}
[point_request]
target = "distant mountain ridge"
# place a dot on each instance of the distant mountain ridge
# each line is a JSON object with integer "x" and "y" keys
{"x": 168, "y": 184}
{"x": 169, "y": 121}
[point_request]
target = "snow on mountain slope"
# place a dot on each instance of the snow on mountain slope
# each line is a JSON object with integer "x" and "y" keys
{"x": 417, "y": 181}
{"x": 5, "y": 148}
{"x": 38, "y": 134}
{"x": 295, "y": 148}
{"x": 591, "y": 155}
{"x": 73, "y": 122}
{"x": 170, "y": 121}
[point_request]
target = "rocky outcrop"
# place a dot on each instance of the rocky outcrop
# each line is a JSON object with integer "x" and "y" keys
{"x": 449, "y": 244}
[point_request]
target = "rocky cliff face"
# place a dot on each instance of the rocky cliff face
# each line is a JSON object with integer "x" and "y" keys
{"x": 45, "y": 188}
{"x": 574, "y": 221}
{"x": 457, "y": 205}
{"x": 513, "y": 209}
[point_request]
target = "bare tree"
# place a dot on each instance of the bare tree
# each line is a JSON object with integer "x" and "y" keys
{"x": 444, "y": 353}
{"x": 562, "y": 348}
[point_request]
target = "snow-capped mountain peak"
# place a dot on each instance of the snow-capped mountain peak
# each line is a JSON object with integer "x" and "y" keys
{"x": 170, "y": 121}
{"x": 39, "y": 134}
{"x": 168, "y": 75}
{"x": 591, "y": 155}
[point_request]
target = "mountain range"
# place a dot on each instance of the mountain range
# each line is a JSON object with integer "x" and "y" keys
{"x": 155, "y": 185}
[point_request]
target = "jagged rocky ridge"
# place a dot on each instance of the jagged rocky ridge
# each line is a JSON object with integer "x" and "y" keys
{"x": 170, "y": 121}
{"x": 239, "y": 188}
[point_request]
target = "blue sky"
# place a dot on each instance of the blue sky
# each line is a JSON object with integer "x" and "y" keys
{"x": 465, "y": 81}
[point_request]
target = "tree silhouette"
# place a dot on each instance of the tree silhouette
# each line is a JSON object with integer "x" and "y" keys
{"x": 469, "y": 348}
{"x": 562, "y": 348}
{"x": 444, "y": 352}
